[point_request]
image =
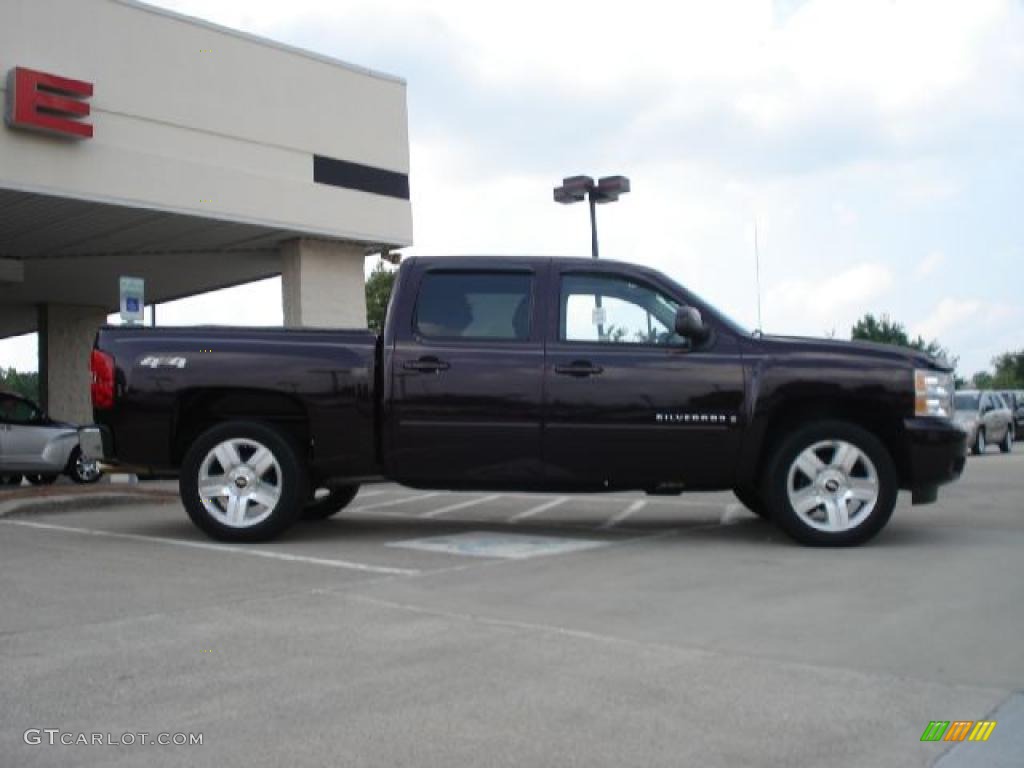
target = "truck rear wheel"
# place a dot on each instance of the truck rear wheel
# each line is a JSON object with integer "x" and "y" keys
{"x": 339, "y": 497}
{"x": 831, "y": 483}
{"x": 243, "y": 481}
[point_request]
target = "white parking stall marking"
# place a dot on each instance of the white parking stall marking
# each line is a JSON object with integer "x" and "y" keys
{"x": 538, "y": 509}
{"x": 506, "y": 546}
{"x": 733, "y": 513}
{"x": 615, "y": 519}
{"x": 393, "y": 502}
{"x": 226, "y": 548}
{"x": 461, "y": 505}
{"x": 369, "y": 494}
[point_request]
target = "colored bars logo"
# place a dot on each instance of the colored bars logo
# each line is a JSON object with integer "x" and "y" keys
{"x": 958, "y": 730}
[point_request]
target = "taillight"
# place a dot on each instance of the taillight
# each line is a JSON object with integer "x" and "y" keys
{"x": 102, "y": 366}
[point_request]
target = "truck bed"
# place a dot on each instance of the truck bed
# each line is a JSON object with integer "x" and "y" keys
{"x": 172, "y": 381}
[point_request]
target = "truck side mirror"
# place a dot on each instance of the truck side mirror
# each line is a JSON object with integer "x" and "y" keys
{"x": 690, "y": 324}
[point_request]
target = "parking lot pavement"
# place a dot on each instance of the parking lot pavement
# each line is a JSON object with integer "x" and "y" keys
{"x": 443, "y": 629}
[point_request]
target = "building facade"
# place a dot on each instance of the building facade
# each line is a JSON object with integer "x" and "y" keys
{"x": 138, "y": 142}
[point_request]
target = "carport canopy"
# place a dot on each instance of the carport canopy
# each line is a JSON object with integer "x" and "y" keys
{"x": 58, "y": 250}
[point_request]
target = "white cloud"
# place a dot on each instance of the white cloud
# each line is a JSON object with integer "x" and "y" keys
{"x": 830, "y": 302}
{"x": 947, "y": 315}
{"x": 256, "y": 303}
{"x": 931, "y": 262}
{"x": 859, "y": 134}
{"x": 20, "y": 352}
{"x": 973, "y": 328}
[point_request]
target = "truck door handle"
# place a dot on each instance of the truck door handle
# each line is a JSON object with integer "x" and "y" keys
{"x": 426, "y": 365}
{"x": 579, "y": 369}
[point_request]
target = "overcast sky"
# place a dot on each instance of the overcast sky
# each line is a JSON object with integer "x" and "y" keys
{"x": 877, "y": 144}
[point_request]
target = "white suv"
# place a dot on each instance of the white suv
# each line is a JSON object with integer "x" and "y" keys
{"x": 986, "y": 418}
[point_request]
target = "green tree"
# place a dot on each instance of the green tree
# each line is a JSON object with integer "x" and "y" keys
{"x": 24, "y": 383}
{"x": 882, "y": 330}
{"x": 885, "y": 330}
{"x": 378, "y": 292}
{"x": 982, "y": 380}
{"x": 1009, "y": 370}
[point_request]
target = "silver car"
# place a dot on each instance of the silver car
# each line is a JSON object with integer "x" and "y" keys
{"x": 35, "y": 447}
{"x": 1014, "y": 398}
{"x": 985, "y": 418}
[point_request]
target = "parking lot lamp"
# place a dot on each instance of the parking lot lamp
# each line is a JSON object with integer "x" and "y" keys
{"x": 575, "y": 189}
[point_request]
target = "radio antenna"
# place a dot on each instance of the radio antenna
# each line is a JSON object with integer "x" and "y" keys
{"x": 757, "y": 273}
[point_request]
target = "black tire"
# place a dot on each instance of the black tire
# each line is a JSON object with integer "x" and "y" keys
{"x": 41, "y": 479}
{"x": 340, "y": 496}
{"x": 289, "y": 484}
{"x": 13, "y": 480}
{"x": 750, "y": 499}
{"x": 79, "y": 469}
{"x": 1007, "y": 445}
{"x": 979, "y": 442}
{"x": 777, "y": 478}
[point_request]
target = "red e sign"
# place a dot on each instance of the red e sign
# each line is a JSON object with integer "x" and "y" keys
{"x": 48, "y": 103}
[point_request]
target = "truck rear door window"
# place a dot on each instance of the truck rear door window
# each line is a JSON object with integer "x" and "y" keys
{"x": 475, "y": 305}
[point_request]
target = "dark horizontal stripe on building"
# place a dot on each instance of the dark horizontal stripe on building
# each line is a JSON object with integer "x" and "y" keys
{"x": 341, "y": 173}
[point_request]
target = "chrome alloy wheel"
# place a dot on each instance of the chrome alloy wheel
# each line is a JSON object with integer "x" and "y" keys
{"x": 88, "y": 471}
{"x": 240, "y": 482}
{"x": 832, "y": 486}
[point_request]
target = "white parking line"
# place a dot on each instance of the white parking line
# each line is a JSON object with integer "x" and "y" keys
{"x": 616, "y": 498}
{"x": 733, "y": 513}
{"x": 615, "y": 519}
{"x": 538, "y": 509}
{"x": 368, "y": 494}
{"x": 227, "y": 548}
{"x": 461, "y": 505}
{"x": 393, "y": 502}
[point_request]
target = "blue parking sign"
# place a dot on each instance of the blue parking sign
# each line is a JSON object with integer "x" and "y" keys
{"x": 132, "y": 299}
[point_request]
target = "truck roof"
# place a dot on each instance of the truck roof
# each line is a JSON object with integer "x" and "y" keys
{"x": 514, "y": 262}
{"x": 492, "y": 261}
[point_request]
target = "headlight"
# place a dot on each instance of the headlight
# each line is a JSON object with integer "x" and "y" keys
{"x": 933, "y": 393}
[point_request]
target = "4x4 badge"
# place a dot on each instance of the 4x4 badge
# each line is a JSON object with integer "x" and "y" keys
{"x": 156, "y": 361}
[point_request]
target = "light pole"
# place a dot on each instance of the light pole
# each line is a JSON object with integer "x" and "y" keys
{"x": 575, "y": 189}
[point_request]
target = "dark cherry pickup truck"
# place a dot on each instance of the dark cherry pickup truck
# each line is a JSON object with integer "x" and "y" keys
{"x": 541, "y": 374}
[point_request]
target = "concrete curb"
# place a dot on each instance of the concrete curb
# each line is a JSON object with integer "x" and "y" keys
{"x": 70, "y": 502}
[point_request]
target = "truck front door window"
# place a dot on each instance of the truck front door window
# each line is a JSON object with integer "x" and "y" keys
{"x": 616, "y": 311}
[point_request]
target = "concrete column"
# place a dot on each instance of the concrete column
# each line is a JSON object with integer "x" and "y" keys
{"x": 66, "y": 335}
{"x": 322, "y": 284}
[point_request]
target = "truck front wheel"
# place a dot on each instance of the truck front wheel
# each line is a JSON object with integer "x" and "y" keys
{"x": 831, "y": 483}
{"x": 243, "y": 481}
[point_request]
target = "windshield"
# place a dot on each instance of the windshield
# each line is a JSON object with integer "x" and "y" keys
{"x": 966, "y": 402}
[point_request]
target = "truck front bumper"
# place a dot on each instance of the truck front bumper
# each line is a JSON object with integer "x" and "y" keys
{"x": 936, "y": 454}
{"x": 96, "y": 442}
